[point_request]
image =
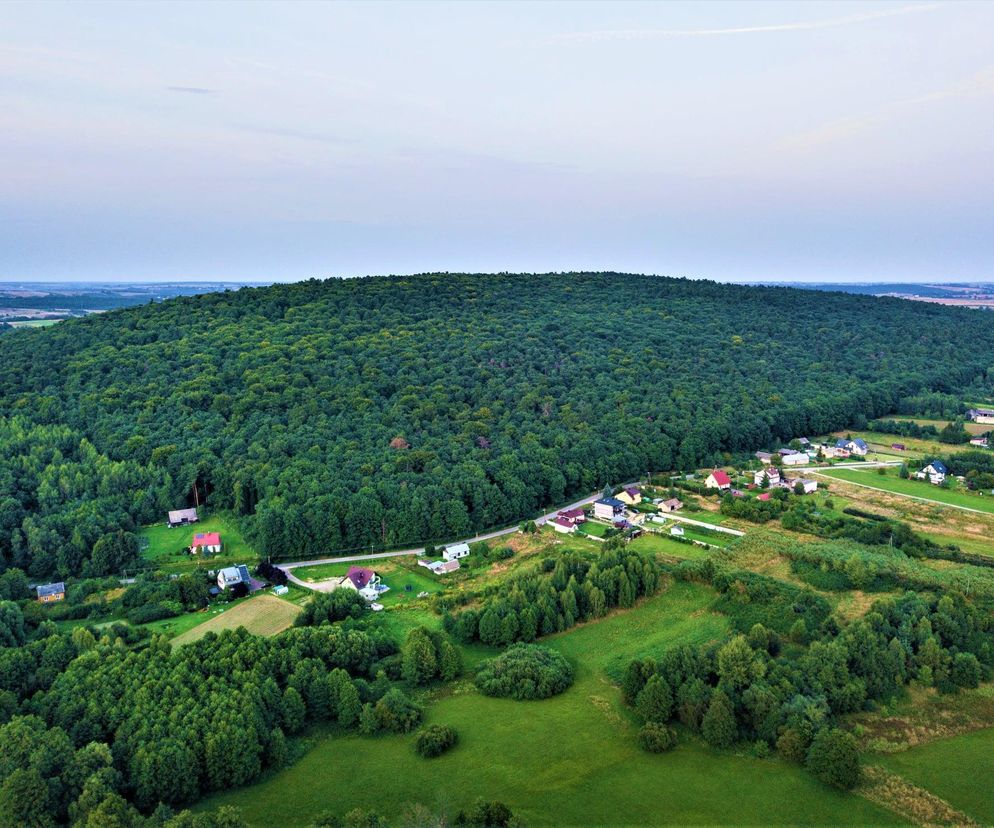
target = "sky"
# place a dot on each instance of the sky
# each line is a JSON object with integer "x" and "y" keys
{"x": 281, "y": 141}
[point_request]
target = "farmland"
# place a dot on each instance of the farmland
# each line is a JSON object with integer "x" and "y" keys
{"x": 914, "y": 488}
{"x": 261, "y": 615}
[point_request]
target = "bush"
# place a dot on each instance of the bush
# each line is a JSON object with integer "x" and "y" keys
{"x": 154, "y": 612}
{"x": 485, "y": 815}
{"x": 834, "y": 758}
{"x": 397, "y": 713}
{"x": 525, "y": 671}
{"x": 271, "y": 573}
{"x": 657, "y": 738}
{"x": 434, "y": 740}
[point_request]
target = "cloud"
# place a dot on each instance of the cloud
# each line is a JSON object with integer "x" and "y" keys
{"x": 654, "y": 34}
{"x": 192, "y": 90}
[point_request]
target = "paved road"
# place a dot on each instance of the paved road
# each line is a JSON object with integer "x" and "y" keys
{"x": 289, "y": 567}
{"x": 911, "y": 497}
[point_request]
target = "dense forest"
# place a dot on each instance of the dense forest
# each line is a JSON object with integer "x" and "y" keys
{"x": 344, "y": 414}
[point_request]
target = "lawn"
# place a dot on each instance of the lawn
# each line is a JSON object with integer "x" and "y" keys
{"x": 598, "y": 530}
{"x": 958, "y": 770}
{"x": 393, "y": 574}
{"x": 972, "y": 428}
{"x": 262, "y": 614}
{"x": 166, "y": 547}
{"x": 664, "y": 545}
{"x": 914, "y": 488}
{"x": 569, "y": 760}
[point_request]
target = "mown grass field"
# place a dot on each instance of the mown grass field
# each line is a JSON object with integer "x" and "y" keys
{"x": 972, "y": 428}
{"x": 958, "y": 770}
{"x": 664, "y": 545}
{"x": 166, "y": 547}
{"x": 263, "y": 614}
{"x": 398, "y": 576}
{"x": 569, "y": 760}
{"x": 914, "y": 488}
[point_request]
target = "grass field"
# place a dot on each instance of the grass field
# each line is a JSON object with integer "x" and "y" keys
{"x": 972, "y": 428}
{"x": 395, "y": 575}
{"x": 569, "y": 760}
{"x": 664, "y": 545}
{"x": 34, "y": 323}
{"x": 914, "y": 488}
{"x": 598, "y": 530}
{"x": 957, "y": 769}
{"x": 263, "y": 614}
{"x": 166, "y": 546}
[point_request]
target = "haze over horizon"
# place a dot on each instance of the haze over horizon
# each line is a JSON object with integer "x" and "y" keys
{"x": 829, "y": 142}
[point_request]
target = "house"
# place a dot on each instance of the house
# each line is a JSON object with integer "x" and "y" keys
{"x": 280, "y": 589}
{"x": 764, "y": 457}
{"x": 857, "y": 446}
{"x": 671, "y": 505}
{"x": 981, "y": 415}
{"x": 979, "y": 441}
{"x": 439, "y": 567}
{"x": 608, "y": 508}
{"x": 630, "y": 496}
{"x": 719, "y": 480}
{"x": 231, "y": 575}
{"x": 900, "y": 446}
{"x": 563, "y": 526}
{"x": 787, "y": 452}
{"x": 456, "y": 551}
{"x": 182, "y": 517}
{"x": 49, "y": 593}
{"x": 764, "y": 496}
{"x": 834, "y": 451}
{"x": 206, "y": 542}
{"x": 770, "y": 474}
{"x": 359, "y": 577}
{"x": 935, "y": 472}
{"x": 798, "y": 458}
{"x": 805, "y": 443}
{"x": 809, "y": 486}
{"x": 573, "y": 515}
{"x": 676, "y": 531}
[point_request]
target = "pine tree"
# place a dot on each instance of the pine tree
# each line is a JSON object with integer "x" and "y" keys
{"x": 718, "y": 727}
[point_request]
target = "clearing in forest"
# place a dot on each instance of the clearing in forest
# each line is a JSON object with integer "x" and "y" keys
{"x": 262, "y": 615}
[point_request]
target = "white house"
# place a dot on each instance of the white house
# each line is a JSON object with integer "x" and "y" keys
{"x": 935, "y": 472}
{"x": 231, "y": 575}
{"x": 676, "y": 531}
{"x": 796, "y": 459}
{"x": 772, "y": 473}
{"x": 456, "y": 551}
{"x": 608, "y": 508}
{"x": 719, "y": 480}
{"x": 564, "y": 526}
{"x": 206, "y": 542}
{"x": 809, "y": 486}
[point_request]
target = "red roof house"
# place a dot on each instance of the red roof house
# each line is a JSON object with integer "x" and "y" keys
{"x": 207, "y": 539}
{"x": 718, "y": 479}
{"x": 764, "y": 496}
{"x": 574, "y": 515}
{"x": 360, "y": 576}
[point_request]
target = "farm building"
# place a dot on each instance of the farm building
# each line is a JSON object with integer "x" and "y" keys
{"x": 231, "y": 575}
{"x": 630, "y": 496}
{"x": 206, "y": 542}
{"x": 49, "y": 593}
{"x": 764, "y": 456}
{"x": 718, "y": 480}
{"x": 979, "y": 441}
{"x": 439, "y": 567}
{"x": 456, "y": 551}
{"x": 281, "y": 589}
{"x": 809, "y": 486}
{"x": 798, "y": 458}
{"x": 671, "y": 505}
{"x": 182, "y": 517}
{"x": 608, "y": 508}
{"x": 935, "y": 472}
{"x": 676, "y": 531}
{"x": 981, "y": 415}
{"x": 563, "y": 526}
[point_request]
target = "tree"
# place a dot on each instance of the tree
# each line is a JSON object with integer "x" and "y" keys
{"x": 834, "y": 758}
{"x": 718, "y": 726}
{"x": 656, "y": 738}
{"x": 434, "y": 740}
{"x": 418, "y": 657}
{"x": 655, "y": 701}
{"x": 24, "y": 800}
{"x": 294, "y": 711}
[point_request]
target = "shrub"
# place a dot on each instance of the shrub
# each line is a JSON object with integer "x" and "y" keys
{"x": 434, "y": 740}
{"x": 834, "y": 758}
{"x": 525, "y": 671}
{"x": 485, "y": 814}
{"x": 657, "y": 738}
{"x": 397, "y": 713}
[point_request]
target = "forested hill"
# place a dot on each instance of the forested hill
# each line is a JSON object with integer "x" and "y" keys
{"x": 346, "y": 413}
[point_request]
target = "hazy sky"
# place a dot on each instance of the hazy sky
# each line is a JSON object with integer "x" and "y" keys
{"x": 829, "y": 141}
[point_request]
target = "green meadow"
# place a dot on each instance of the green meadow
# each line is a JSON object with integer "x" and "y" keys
{"x": 167, "y": 546}
{"x": 914, "y": 488}
{"x": 958, "y": 769}
{"x": 569, "y": 760}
